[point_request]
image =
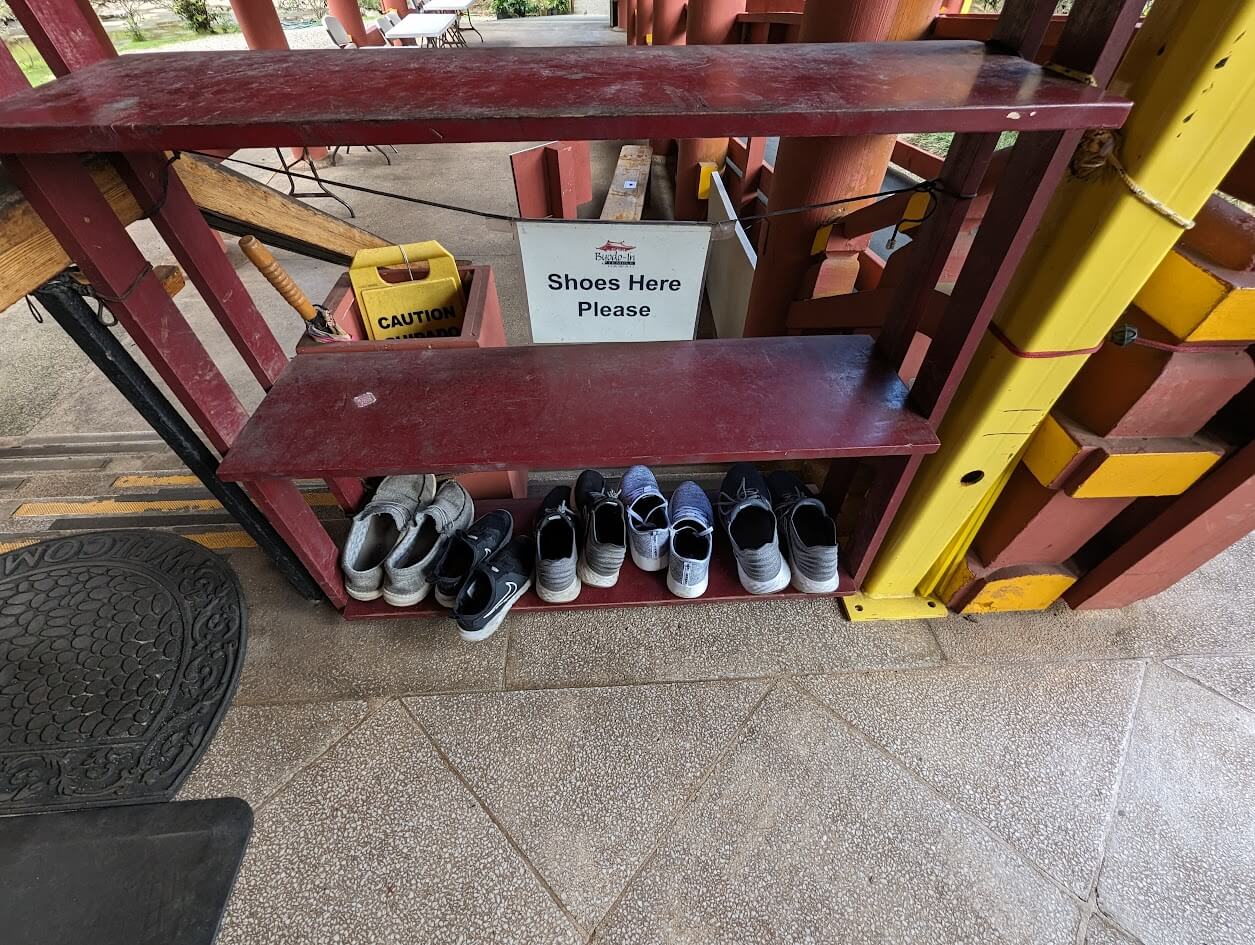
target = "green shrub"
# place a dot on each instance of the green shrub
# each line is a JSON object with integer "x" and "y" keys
{"x": 198, "y": 15}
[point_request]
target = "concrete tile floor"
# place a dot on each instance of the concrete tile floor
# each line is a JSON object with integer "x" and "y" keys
{"x": 716, "y": 773}
{"x": 753, "y": 773}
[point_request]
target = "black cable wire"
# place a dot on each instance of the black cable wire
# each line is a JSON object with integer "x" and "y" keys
{"x": 931, "y": 187}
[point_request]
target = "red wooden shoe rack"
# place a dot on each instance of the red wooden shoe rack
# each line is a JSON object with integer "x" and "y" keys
{"x": 756, "y": 399}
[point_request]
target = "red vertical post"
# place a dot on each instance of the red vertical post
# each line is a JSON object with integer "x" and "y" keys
{"x": 629, "y": 23}
{"x": 669, "y": 22}
{"x": 350, "y": 16}
{"x": 815, "y": 170}
{"x": 709, "y": 23}
{"x": 259, "y": 22}
{"x": 644, "y": 22}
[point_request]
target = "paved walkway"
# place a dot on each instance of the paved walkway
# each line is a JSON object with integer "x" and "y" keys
{"x": 751, "y": 773}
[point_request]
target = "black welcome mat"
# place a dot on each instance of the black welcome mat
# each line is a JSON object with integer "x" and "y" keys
{"x": 119, "y": 652}
{"x": 151, "y": 874}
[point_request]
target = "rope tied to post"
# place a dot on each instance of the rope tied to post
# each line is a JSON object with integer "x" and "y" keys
{"x": 1099, "y": 149}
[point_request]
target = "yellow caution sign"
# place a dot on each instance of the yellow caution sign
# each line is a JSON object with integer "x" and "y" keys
{"x": 396, "y": 302}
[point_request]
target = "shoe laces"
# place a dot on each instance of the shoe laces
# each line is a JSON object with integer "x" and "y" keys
{"x": 744, "y": 492}
{"x": 561, "y": 510}
{"x": 790, "y": 498}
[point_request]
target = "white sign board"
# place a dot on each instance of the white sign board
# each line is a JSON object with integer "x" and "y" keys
{"x": 589, "y": 280}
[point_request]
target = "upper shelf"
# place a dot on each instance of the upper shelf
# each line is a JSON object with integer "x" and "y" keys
{"x": 570, "y": 406}
{"x": 202, "y": 100}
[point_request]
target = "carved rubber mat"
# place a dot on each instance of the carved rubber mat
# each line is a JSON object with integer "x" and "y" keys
{"x": 119, "y": 653}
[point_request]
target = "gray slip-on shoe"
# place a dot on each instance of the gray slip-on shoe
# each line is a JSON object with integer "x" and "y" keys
{"x": 376, "y": 530}
{"x": 407, "y": 571}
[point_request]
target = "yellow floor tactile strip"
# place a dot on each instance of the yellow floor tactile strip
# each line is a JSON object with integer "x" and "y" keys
{"x": 131, "y": 506}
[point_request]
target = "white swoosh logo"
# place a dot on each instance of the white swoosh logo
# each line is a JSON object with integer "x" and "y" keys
{"x": 513, "y": 589}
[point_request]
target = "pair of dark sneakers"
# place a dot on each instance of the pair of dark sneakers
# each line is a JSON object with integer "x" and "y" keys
{"x": 481, "y": 572}
{"x": 564, "y": 560}
{"x": 760, "y": 514}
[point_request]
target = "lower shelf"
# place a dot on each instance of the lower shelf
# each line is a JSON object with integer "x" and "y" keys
{"x": 636, "y": 588}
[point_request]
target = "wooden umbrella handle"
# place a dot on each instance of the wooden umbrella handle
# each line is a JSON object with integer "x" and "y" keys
{"x": 275, "y": 274}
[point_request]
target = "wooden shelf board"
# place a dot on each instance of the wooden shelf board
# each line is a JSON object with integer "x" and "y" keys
{"x": 577, "y": 406}
{"x": 270, "y": 98}
{"x": 636, "y": 588}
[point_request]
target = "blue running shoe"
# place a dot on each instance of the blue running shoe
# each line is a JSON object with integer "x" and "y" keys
{"x": 746, "y": 513}
{"x": 648, "y": 526}
{"x": 691, "y": 541}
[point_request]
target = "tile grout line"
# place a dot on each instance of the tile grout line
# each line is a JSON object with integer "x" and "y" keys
{"x": 328, "y": 699}
{"x": 1114, "y": 804}
{"x": 1087, "y": 916}
{"x": 509, "y": 650}
{"x": 685, "y": 805}
{"x": 943, "y": 658}
{"x": 314, "y": 759}
{"x": 1204, "y": 686}
{"x": 496, "y": 822}
{"x": 1040, "y": 871}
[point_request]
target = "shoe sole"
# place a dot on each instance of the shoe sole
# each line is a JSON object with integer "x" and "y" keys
{"x": 474, "y": 636}
{"x": 363, "y": 595}
{"x": 594, "y": 578}
{"x": 408, "y": 599}
{"x": 564, "y": 596}
{"x": 445, "y": 601}
{"x": 650, "y": 564}
{"x": 810, "y": 586}
{"x": 687, "y": 590}
{"x": 778, "y": 583}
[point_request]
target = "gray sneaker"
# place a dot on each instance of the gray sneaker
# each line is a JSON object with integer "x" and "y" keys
{"x": 692, "y": 540}
{"x": 605, "y": 530}
{"x": 809, "y": 532}
{"x": 376, "y": 530}
{"x": 408, "y": 578}
{"x": 648, "y": 528}
{"x": 745, "y": 510}
{"x": 557, "y": 577}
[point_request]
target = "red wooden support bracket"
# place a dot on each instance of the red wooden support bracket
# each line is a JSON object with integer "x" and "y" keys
{"x": 552, "y": 180}
{"x": 162, "y": 195}
{"x": 67, "y": 33}
{"x": 1195, "y": 527}
{"x": 284, "y": 505}
{"x": 961, "y": 176}
{"x": 67, "y": 200}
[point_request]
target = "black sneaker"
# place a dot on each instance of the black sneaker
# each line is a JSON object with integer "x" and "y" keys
{"x": 492, "y": 589}
{"x": 605, "y": 530}
{"x": 557, "y": 578}
{"x": 810, "y": 534}
{"x": 746, "y": 513}
{"x": 465, "y": 550}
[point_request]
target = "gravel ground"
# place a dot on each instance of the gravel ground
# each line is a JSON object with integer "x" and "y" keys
{"x": 304, "y": 37}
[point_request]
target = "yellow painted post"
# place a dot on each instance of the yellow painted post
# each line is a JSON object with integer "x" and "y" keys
{"x": 1191, "y": 73}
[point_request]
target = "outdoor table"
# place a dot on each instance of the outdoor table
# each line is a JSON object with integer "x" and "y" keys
{"x": 428, "y": 27}
{"x": 457, "y": 8}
